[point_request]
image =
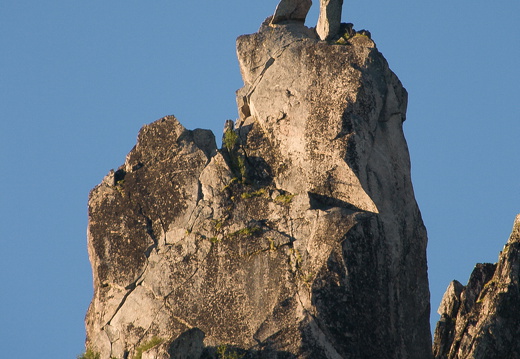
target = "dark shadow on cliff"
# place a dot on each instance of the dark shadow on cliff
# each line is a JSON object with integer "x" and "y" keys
{"x": 351, "y": 279}
{"x": 318, "y": 201}
{"x": 352, "y": 122}
{"x": 190, "y": 345}
{"x": 258, "y": 171}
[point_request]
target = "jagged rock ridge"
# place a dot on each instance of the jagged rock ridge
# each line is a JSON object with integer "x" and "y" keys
{"x": 300, "y": 238}
{"x": 482, "y": 319}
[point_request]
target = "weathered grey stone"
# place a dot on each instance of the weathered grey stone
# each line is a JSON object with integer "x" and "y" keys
{"x": 295, "y": 10}
{"x": 486, "y": 325}
{"x": 329, "y": 21}
{"x": 129, "y": 218}
{"x": 189, "y": 345}
{"x": 451, "y": 299}
{"x": 301, "y": 238}
{"x": 229, "y": 125}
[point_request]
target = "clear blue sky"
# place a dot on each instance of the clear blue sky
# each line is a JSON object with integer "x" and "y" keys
{"x": 79, "y": 78}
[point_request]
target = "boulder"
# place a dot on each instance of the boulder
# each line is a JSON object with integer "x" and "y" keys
{"x": 291, "y": 10}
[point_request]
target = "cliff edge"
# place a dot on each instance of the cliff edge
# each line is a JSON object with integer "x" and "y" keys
{"x": 299, "y": 238}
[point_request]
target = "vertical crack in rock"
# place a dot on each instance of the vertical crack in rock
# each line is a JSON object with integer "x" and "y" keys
{"x": 130, "y": 288}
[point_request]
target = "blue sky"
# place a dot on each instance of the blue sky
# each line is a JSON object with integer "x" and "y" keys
{"x": 79, "y": 78}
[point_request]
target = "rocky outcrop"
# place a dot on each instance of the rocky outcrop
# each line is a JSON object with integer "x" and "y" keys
{"x": 299, "y": 238}
{"x": 482, "y": 319}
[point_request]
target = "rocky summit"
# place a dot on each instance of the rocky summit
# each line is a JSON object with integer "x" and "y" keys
{"x": 299, "y": 238}
{"x": 482, "y": 319}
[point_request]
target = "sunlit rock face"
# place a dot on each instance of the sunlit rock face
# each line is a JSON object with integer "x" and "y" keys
{"x": 482, "y": 319}
{"x": 299, "y": 238}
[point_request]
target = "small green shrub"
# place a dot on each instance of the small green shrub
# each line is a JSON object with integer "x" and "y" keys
{"x": 120, "y": 187}
{"x": 343, "y": 40}
{"x": 238, "y": 162}
{"x": 272, "y": 244}
{"x": 89, "y": 354}
{"x": 258, "y": 193}
{"x": 224, "y": 353}
{"x": 146, "y": 346}
{"x": 284, "y": 198}
{"x": 361, "y": 34}
{"x": 218, "y": 223}
{"x": 241, "y": 161}
{"x": 308, "y": 277}
{"x": 246, "y": 231}
{"x": 348, "y": 32}
{"x": 295, "y": 259}
{"x": 230, "y": 140}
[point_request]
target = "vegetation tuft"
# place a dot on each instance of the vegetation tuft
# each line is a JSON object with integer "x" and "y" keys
{"x": 223, "y": 352}
{"x": 238, "y": 162}
{"x": 343, "y": 40}
{"x": 284, "y": 198}
{"x": 89, "y": 354}
{"x": 257, "y": 193}
{"x": 230, "y": 140}
{"x": 218, "y": 223}
{"x": 364, "y": 34}
{"x": 146, "y": 346}
{"x": 246, "y": 232}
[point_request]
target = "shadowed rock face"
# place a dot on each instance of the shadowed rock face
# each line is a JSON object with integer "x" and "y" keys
{"x": 482, "y": 319}
{"x": 300, "y": 238}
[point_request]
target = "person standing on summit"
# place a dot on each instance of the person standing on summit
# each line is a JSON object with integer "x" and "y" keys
{"x": 329, "y": 21}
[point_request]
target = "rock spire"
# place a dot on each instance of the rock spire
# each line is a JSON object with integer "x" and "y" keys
{"x": 299, "y": 238}
{"x": 329, "y": 20}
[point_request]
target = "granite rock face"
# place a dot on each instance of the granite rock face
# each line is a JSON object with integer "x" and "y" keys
{"x": 482, "y": 319}
{"x": 299, "y": 238}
